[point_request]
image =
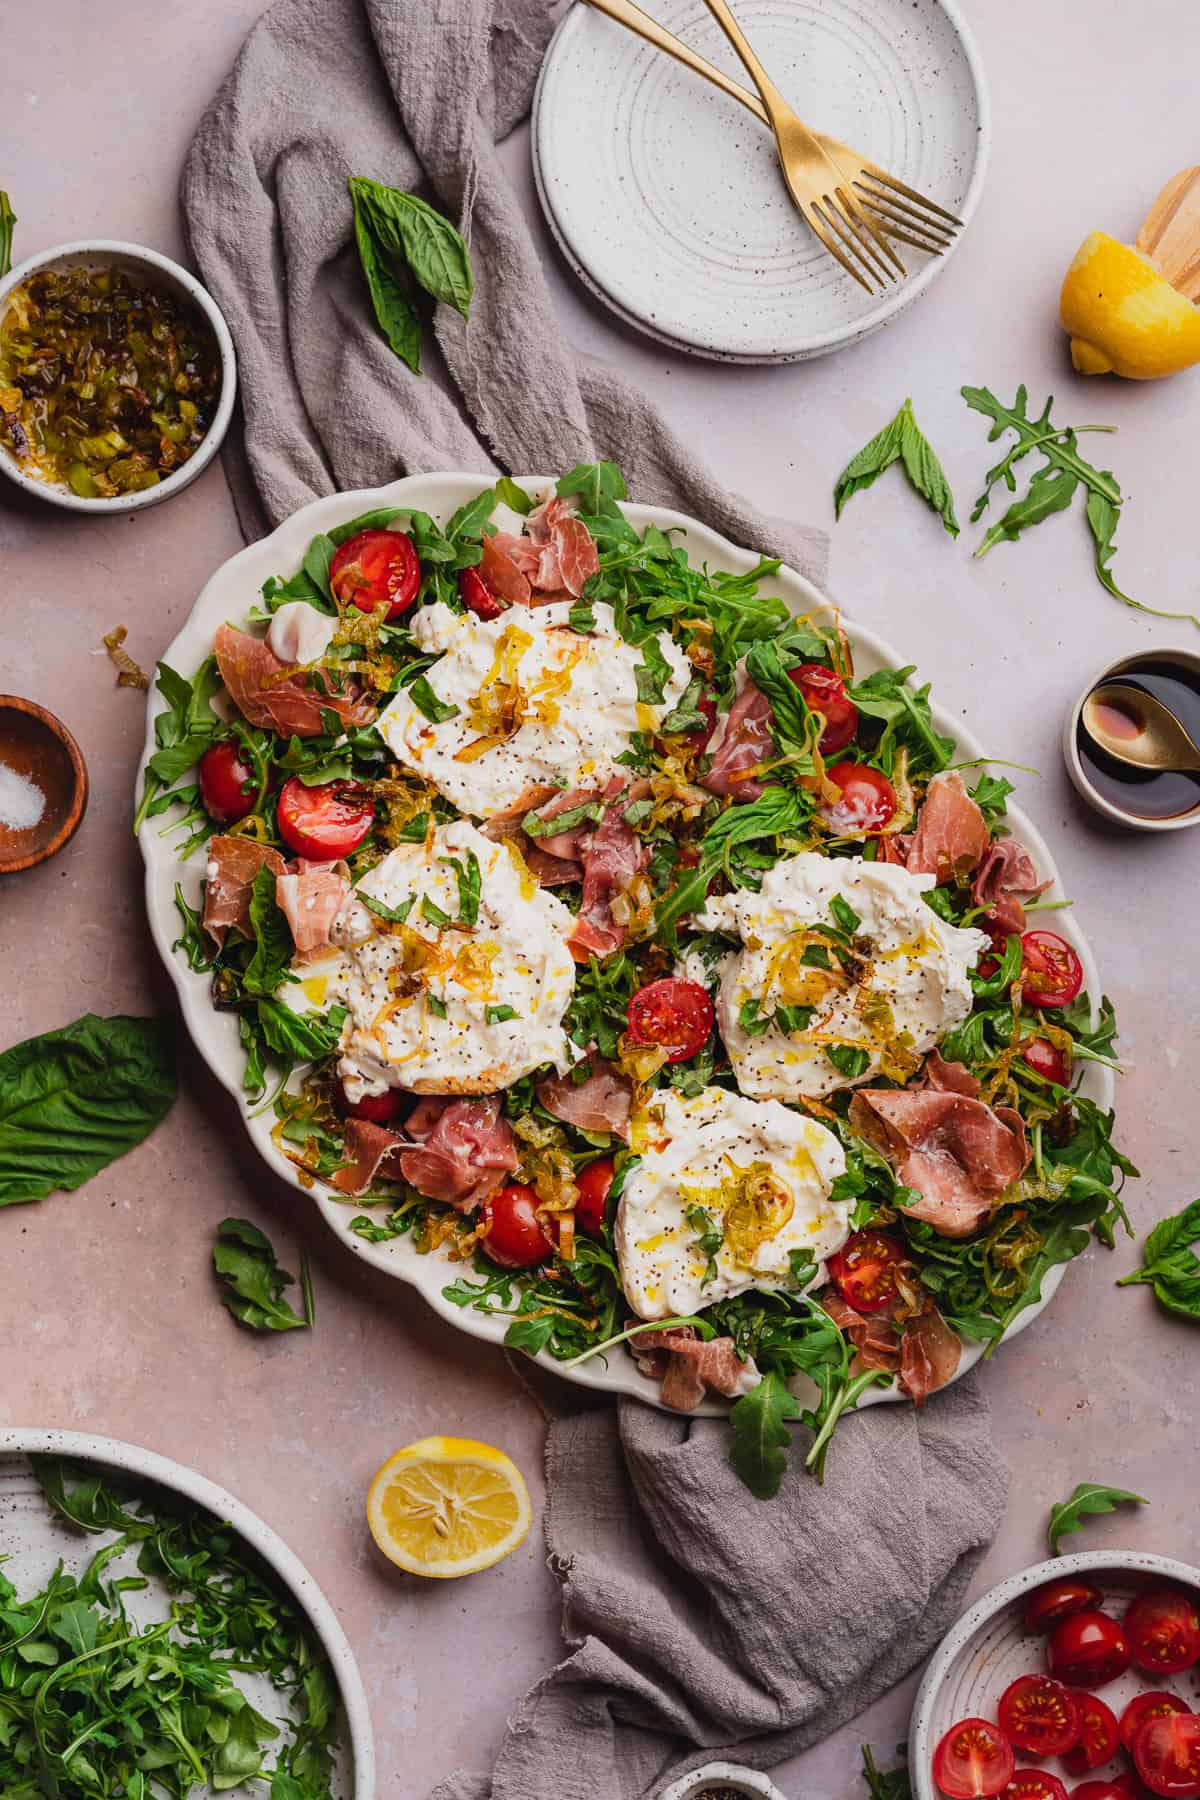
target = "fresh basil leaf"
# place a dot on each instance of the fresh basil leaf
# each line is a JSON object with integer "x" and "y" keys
{"x": 395, "y": 313}
{"x": 582, "y": 617}
{"x": 380, "y": 518}
{"x": 252, "y": 1283}
{"x": 273, "y": 946}
{"x": 499, "y": 1015}
{"x": 687, "y": 715}
{"x": 510, "y": 495}
{"x": 750, "y": 1019}
{"x": 844, "y": 915}
{"x": 395, "y": 915}
{"x": 430, "y": 246}
{"x": 300, "y": 1037}
{"x": 639, "y": 810}
{"x": 469, "y": 879}
{"x": 791, "y": 1019}
{"x": 75, "y": 1099}
{"x": 924, "y": 470}
{"x": 652, "y": 673}
{"x": 433, "y": 914}
{"x": 709, "y": 1236}
{"x": 317, "y": 558}
{"x": 849, "y": 1061}
{"x": 863, "y": 470}
{"x": 761, "y": 1440}
{"x": 426, "y": 701}
{"x": 1170, "y": 1266}
{"x": 587, "y": 812}
{"x": 436, "y": 1006}
{"x": 1068, "y": 1515}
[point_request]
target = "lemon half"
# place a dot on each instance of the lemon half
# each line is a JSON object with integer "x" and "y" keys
{"x": 1123, "y": 317}
{"x": 448, "y": 1506}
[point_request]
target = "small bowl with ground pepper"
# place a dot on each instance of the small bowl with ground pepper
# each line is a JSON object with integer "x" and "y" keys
{"x": 722, "y": 1781}
{"x": 117, "y": 377}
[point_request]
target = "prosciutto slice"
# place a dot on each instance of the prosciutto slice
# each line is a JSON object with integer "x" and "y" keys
{"x": 310, "y": 896}
{"x": 504, "y": 565}
{"x": 929, "y": 1354}
{"x": 233, "y": 862}
{"x": 741, "y": 741}
{"x": 687, "y": 1366}
{"x": 1005, "y": 876}
{"x": 266, "y": 695}
{"x": 612, "y": 855}
{"x": 366, "y": 1148}
{"x": 876, "y": 1340}
{"x": 601, "y": 1101}
{"x": 556, "y": 554}
{"x": 951, "y": 836}
{"x": 463, "y": 1149}
{"x": 956, "y": 1150}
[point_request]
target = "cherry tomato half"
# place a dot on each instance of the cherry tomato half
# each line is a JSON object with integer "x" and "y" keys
{"x": 973, "y": 1761}
{"x": 325, "y": 822}
{"x": 1034, "y": 1784}
{"x": 865, "y": 1270}
{"x": 706, "y": 704}
{"x": 868, "y": 800}
{"x": 1042, "y": 1057}
{"x": 1087, "y": 1649}
{"x": 516, "y": 1237}
{"x": 1039, "y": 1715}
{"x": 1125, "y": 1786}
{"x": 477, "y": 596}
{"x": 374, "y": 569}
{"x": 1054, "y": 1600}
{"x": 592, "y": 1205}
{"x": 376, "y": 1109}
{"x": 1051, "y": 973}
{"x": 1167, "y": 1753}
{"x": 227, "y": 785}
{"x": 1098, "y": 1736}
{"x": 1163, "y": 1628}
{"x": 673, "y": 1013}
{"x": 1154, "y": 1705}
{"x": 825, "y": 692}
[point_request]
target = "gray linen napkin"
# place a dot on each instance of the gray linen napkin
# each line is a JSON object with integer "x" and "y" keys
{"x": 696, "y": 1615}
{"x": 414, "y": 93}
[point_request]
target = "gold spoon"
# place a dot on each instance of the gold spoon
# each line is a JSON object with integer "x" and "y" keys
{"x": 1133, "y": 727}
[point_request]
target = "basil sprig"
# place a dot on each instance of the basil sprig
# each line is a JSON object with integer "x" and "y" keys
{"x": 402, "y": 240}
{"x": 902, "y": 440}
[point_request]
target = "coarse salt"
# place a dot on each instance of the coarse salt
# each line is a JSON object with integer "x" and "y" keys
{"x": 22, "y": 802}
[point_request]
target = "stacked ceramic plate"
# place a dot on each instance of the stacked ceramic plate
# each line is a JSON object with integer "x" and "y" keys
{"x": 665, "y": 195}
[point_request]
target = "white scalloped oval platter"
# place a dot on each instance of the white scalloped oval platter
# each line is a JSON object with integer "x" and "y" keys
{"x": 229, "y": 595}
{"x": 666, "y": 197}
{"x": 33, "y": 1542}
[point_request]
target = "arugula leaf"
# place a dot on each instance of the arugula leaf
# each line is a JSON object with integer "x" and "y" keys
{"x": 761, "y": 1440}
{"x": 1068, "y": 1515}
{"x": 900, "y": 440}
{"x": 273, "y": 946}
{"x": 73, "y": 1100}
{"x": 652, "y": 673}
{"x": 599, "y": 486}
{"x": 509, "y": 494}
{"x": 426, "y": 701}
{"x": 885, "y": 1784}
{"x": 378, "y": 519}
{"x": 990, "y": 795}
{"x": 1051, "y": 490}
{"x": 849, "y": 1061}
{"x": 252, "y": 1281}
{"x": 1170, "y": 1265}
{"x": 8, "y": 219}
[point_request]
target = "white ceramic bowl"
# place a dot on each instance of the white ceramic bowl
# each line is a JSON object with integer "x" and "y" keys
{"x": 989, "y": 1647}
{"x": 229, "y": 595}
{"x": 33, "y": 1541}
{"x": 1187, "y": 659}
{"x": 750, "y": 1782}
{"x": 161, "y": 272}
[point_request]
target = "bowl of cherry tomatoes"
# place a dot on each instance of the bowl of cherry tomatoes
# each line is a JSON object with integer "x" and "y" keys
{"x": 1075, "y": 1680}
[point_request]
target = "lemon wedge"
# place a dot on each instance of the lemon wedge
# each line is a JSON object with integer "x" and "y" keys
{"x": 448, "y": 1506}
{"x": 1123, "y": 316}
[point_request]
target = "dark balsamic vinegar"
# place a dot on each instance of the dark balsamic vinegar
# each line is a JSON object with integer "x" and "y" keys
{"x": 1149, "y": 796}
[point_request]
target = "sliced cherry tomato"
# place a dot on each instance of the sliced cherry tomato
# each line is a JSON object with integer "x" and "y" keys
{"x": 325, "y": 822}
{"x": 865, "y": 1270}
{"x": 1166, "y": 1751}
{"x": 1125, "y": 1786}
{"x": 592, "y": 1205}
{"x": 376, "y": 1109}
{"x": 1051, "y": 973}
{"x": 825, "y": 692}
{"x": 1045, "y": 1060}
{"x": 1039, "y": 1715}
{"x": 375, "y": 569}
{"x": 1034, "y": 1784}
{"x": 673, "y": 1013}
{"x": 868, "y": 800}
{"x": 477, "y": 596}
{"x": 227, "y": 785}
{"x": 973, "y": 1761}
{"x": 706, "y": 704}
{"x": 1087, "y": 1649}
{"x": 1154, "y": 1705}
{"x": 1163, "y": 1628}
{"x": 516, "y": 1237}
{"x": 1098, "y": 1736}
{"x": 1054, "y": 1600}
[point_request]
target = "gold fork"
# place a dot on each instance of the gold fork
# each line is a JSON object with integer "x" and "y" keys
{"x": 852, "y": 204}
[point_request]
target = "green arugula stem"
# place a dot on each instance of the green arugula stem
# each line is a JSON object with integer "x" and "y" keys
{"x": 701, "y": 1325}
{"x": 846, "y": 1400}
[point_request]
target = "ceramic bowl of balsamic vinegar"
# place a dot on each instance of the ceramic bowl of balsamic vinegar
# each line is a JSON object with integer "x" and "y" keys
{"x": 1141, "y": 800}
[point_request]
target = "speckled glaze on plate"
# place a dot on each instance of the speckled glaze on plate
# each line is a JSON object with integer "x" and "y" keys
{"x": 666, "y": 196}
{"x": 33, "y": 1541}
{"x": 229, "y": 594}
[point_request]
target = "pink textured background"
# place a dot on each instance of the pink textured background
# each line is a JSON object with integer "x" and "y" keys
{"x": 108, "y": 1319}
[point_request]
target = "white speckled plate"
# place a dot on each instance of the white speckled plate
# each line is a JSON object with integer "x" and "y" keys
{"x": 229, "y": 594}
{"x": 666, "y": 196}
{"x": 33, "y": 1541}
